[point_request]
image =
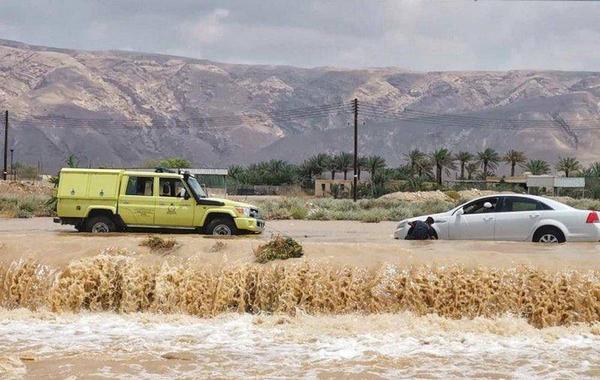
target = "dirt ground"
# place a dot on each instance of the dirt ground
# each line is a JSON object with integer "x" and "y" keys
{"x": 368, "y": 245}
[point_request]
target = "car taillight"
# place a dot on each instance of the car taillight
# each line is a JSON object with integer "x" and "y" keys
{"x": 592, "y": 217}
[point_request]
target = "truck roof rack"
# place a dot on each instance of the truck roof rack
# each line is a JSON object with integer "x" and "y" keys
{"x": 164, "y": 170}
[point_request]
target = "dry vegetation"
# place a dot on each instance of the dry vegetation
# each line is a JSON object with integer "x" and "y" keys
{"x": 120, "y": 283}
{"x": 156, "y": 243}
{"x": 218, "y": 246}
{"x": 278, "y": 248}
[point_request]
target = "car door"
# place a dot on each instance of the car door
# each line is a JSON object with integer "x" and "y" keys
{"x": 476, "y": 221}
{"x": 174, "y": 208}
{"x": 518, "y": 217}
{"x": 136, "y": 200}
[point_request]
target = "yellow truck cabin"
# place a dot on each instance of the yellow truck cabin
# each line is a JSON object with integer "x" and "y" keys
{"x": 107, "y": 200}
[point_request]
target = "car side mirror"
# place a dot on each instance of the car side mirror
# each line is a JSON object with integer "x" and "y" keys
{"x": 459, "y": 212}
{"x": 487, "y": 205}
{"x": 186, "y": 196}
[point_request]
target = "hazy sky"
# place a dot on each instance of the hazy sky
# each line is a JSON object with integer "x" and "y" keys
{"x": 418, "y": 35}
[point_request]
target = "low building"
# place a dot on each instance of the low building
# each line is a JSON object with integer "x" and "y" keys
{"x": 553, "y": 184}
{"x": 325, "y": 186}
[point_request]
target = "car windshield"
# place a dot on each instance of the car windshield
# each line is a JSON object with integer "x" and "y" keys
{"x": 196, "y": 188}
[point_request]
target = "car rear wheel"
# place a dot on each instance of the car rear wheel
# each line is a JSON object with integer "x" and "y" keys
{"x": 549, "y": 235}
{"x": 100, "y": 224}
{"x": 222, "y": 227}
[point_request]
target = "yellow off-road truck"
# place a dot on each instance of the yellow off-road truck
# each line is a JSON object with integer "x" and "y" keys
{"x": 105, "y": 200}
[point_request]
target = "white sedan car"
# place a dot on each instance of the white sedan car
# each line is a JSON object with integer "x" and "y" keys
{"x": 513, "y": 217}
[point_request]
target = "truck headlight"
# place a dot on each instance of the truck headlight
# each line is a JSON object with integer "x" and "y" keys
{"x": 243, "y": 211}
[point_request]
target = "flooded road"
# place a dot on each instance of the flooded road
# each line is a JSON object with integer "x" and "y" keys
{"x": 368, "y": 245}
{"x": 357, "y": 305}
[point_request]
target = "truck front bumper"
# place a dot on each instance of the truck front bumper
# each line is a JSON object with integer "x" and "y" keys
{"x": 250, "y": 224}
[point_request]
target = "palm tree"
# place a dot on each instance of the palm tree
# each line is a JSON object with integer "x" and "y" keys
{"x": 361, "y": 163}
{"x": 343, "y": 162}
{"x": 414, "y": 157}
{"x": 331, "y": 165}
{"x": 568, "y": 165}
{"x": 72, "y": 161}
{"x": 236, "y": 172}
{"x": 443, "y": 161}
{"x": 537, "y": 167}
{"x": 315, "y": 165}
{"x": 471, "y": 169}
{"x": 592, "y": 171}
{"x": 375, "y": 164}
{"x": 488, "y": 160}
{"x": 514, "y": 157}
{"x": 464, "y": 158}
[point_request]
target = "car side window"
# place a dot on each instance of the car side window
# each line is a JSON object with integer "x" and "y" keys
{"x": 516, "y": 204}
{"x": 139, "y": 186}
{"x": 478, "y": 208}
{"x": 171, "y": 187}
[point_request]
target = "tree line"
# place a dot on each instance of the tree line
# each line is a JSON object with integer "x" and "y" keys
{"x": 418, "y": 165}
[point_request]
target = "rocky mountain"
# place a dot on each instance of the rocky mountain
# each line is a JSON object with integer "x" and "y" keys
{"x": 122, "y": 108}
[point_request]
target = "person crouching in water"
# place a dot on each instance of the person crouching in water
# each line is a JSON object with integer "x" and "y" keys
{"x": 420, "y": 230}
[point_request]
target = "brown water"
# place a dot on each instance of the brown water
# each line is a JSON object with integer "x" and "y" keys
{"x": 114, "y": 315}
{"x": 101, "y": 345}
{"x": 115, "y": 281}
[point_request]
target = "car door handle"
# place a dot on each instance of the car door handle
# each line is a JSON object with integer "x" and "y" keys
{"x": 533, "y": 216}
{"x": 488, "y": 218}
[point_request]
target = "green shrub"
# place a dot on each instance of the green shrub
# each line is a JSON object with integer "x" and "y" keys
{"x": 22, "y": 213}
{"x": 373, "y": 216}
{"x": 278, "y": 248}
{"x": 585, "y": 204}
{"x": 298, "y": 212}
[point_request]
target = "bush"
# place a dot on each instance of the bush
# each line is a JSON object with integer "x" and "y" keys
{"x": 22, "y": 213}
{"x": 455, "y": 195}
{"x": 373, "y": 216}
{"x": 156, "y": 243}
{"x": 585, "y": 204}
{"x": 18, "y": 206}
{"x": 278, "y": 248}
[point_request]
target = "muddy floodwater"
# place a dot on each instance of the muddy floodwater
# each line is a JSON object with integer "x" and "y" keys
{"x": 357, "y": 305}
{"x": 107, "y": 345}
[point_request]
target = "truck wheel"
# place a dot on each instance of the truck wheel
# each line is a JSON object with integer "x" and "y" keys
{"x": 222, "y": 226}
{"x": 100, "y": 224}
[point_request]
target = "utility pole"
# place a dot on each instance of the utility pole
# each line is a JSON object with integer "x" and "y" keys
{"x": 12, "y": 168}
{"x": 355, "y": 184}
{"x": 5, "y": 171}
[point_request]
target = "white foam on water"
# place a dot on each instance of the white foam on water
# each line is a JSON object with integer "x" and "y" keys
{"x": 238, "y": 345}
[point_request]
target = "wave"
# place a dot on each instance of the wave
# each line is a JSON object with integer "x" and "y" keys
{"x": 115, "y": 281}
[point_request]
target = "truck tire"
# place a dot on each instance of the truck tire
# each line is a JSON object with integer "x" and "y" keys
{"x": 100, "y": 224}
{"x": 222, "y": 226}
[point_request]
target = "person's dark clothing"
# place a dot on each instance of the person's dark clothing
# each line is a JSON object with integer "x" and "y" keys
{"x": 420, "y": 230}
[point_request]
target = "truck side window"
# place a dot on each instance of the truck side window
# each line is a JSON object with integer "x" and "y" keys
{"x": 139, "y": 186}
{"x": 171, "y": 187}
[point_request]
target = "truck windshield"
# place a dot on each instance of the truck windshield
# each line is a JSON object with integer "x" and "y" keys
{"x": 196, "y": 188}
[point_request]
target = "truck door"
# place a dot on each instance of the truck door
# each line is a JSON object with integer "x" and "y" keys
{"x": 137, "y": 202}
{"x": 174, "y": 208}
